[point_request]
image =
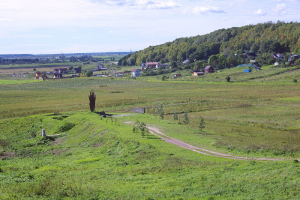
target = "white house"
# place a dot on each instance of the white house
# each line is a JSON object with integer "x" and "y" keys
{"x": 101, "y": 67}
{"x": 135, "y": 73}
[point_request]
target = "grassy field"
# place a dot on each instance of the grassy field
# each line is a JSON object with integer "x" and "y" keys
{"x": 16, "y": 81}
{"x": 101, "y": 158}
{"x": 96, "y": 158}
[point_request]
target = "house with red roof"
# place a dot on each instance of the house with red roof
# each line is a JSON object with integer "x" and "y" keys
{"x": 151, "y": 65}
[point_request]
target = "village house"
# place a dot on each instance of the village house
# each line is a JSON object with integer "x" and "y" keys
{"x": 177, "y": 75}
{"x": 57, "y": 76}
{"x": 119, "y": 75}
{"x": 293, "y": 58}
{"x": 100, "y": 66}
{"x": 278, "y": 55}
{"x": 135, "y": 73}
{"x": 151, "y": 65}
{"x": 61, "y": 70}
{"x": 197, "y": 73}
{"x": 77, "y": 70}
{"x": 40, "y": 75}
{"x": 209, "y": 69}
{"x": 55, "y": 71}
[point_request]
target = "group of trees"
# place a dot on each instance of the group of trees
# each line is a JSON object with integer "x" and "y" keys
{"x": 261, "y": 39}
{"x": 16, "y": 61}
{"x": 86, "y": 58}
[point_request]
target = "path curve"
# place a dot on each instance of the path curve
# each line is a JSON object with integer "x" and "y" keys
{"x": 155, "y": 131}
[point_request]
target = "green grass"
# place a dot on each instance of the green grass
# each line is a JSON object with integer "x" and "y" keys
{"x": 98, "y": 159}
{"x": 13, "y": 82}
{"x": 101, "y": 158}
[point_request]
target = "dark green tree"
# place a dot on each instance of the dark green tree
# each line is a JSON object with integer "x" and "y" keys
{"x": 185, "y": 118}
{"x": 201, "y": 123}
{"x": 89, "y": 73}
{"x": 160, "y": 110}
{"x": 173, "y": 64}
{"x": 228, "y": 79}
{"x": 175, "y": 116}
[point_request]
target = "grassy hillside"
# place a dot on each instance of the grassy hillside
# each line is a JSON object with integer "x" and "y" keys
{"x": 97, "y": 158}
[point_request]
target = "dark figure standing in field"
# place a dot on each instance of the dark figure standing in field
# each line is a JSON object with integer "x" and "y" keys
{"x": 92, "y": 99}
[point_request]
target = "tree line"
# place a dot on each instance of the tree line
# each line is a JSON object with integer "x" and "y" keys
{"x": 262, "y": 39}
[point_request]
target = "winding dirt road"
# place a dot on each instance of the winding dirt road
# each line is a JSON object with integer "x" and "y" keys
{"x": 158, "y": 133}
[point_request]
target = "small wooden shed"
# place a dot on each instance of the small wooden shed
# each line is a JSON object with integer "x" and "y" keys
{"x": 209, "y": 69}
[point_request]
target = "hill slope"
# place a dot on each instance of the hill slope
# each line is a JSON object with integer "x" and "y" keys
{"x": 261, "y": 38}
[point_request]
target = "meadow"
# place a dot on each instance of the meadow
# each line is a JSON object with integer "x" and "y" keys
{"x": 102, "y": 158}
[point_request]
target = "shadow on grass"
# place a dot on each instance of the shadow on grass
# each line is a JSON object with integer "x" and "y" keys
{"x": 152, "y": 137}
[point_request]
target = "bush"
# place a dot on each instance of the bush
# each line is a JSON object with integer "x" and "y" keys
{"x": 228, "y": 79}
{"x": 89, "y": 73}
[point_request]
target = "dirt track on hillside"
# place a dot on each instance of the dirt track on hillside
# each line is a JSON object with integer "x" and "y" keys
{"x": 158, "y": 133}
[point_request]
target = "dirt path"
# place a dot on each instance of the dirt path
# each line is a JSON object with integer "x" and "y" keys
{"x": 158, "y": 133}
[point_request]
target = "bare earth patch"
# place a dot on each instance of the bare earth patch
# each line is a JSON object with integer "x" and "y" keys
{"x": 7, "y": 155}
{"x": 58, "y": 141}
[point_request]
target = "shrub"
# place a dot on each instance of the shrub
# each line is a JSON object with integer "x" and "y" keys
{"x": 201, "y": 123}
{"x": 228, "y": 79}
{"x": 89, "y": 73}
{"x": 140, "y": 126}
{"x": 92, "y": 99}
{"x": 175, "y": 115}
{"x": 185, "y": 118}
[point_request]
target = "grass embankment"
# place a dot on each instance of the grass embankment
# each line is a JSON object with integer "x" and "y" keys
{"x": 104, "y": 159}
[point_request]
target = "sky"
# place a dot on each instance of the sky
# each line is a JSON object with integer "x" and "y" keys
{"x": 85, "y": 26}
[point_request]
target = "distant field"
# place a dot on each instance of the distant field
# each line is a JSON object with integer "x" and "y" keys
{"x": 13, "y": 82}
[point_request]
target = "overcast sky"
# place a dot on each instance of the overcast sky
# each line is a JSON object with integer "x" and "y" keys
{"x": 81, "y": 26}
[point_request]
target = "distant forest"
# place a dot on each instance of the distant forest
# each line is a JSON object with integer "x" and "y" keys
{"x": 262, "y": 39}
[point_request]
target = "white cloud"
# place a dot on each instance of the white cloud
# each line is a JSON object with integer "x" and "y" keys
{"x": 207, "y": 9}
{"x": 162, "y": 4}
{"x": 260, "y": 12}
{"x": 280, "y": 8}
